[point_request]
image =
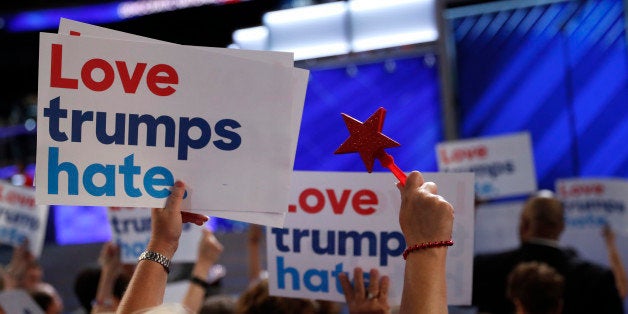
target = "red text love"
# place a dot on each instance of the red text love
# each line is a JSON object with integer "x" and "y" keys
{"x": 313, "y": 201}
{"x": 159, "y": 79}
{"x": 462, "y": 154}
{"x": 581, "y": 189}
{"x": 15, "y": 198}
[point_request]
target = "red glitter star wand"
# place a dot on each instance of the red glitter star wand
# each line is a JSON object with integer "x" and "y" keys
{"x": 368, "y": 140}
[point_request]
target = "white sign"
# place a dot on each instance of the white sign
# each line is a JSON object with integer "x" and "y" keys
{"x": 159, "y": 113}
{"x": 339, "y": 221}
{"x": 497, "y": 226}
{"x": 130, "y": 230}
{"x": 503, "y": 165}
{"x": 21, "y": 219}
{"x": 590, "y": 203}
{"x": 70, "y": 27}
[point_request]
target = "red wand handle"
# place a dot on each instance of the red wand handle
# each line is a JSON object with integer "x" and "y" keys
{"x": 388, "y": 161}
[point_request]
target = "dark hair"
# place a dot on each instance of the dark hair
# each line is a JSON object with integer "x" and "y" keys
{"x": 546, "y": 216}
{"x": 256, "y": 300}
{"x": 538, "y": 287}
{"x": 43, "y": 299}
{"x": 218, "y": 304}
{"x": 85, "y": 286}
{"x": 120, "y": 285}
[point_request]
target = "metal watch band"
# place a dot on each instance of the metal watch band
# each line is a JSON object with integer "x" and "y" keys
{"x": 156, "y": 257}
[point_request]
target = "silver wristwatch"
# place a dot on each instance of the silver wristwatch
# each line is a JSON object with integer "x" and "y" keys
{"x": 156, "y": 257}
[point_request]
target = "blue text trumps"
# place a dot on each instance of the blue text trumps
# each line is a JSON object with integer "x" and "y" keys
{"x": 227, "y": 140}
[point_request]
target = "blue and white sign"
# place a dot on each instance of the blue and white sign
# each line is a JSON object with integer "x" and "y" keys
{"x": 342, "y": 220}
{"x": 70, "y": 27}
{"x": 119, "y": 121}
{"x": 21, "y": 219}
{"x": 503, "y": 165}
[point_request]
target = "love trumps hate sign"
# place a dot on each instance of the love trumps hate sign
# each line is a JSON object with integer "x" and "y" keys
{"x": 340, "y": 220}
{"x": 70, "y": 27}
{"x": 21, "y": 219}
{"x": 119, "y": 121}
{"x": 503, "y": 165}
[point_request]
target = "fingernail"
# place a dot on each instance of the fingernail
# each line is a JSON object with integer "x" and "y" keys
{"x": 178, "y": 184}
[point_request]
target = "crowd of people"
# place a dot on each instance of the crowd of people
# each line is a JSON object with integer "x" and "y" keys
{"x": 537, "y": 277}
{"x": 424, "y": 217}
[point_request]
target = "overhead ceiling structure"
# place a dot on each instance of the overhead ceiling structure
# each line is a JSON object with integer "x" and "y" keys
{"x": 206, "y": 25}
{"x": 344, "y": 27}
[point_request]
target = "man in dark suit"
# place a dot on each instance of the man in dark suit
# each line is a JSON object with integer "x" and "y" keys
{"x": 589, "y": 288}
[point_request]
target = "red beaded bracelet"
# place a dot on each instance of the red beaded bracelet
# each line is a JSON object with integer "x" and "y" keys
{"x": 426, "y": 245}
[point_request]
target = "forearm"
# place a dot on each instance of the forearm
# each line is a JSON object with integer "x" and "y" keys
{"x": 14, "y": 276}
{"x": 425, "y": 284}
{"x": 104, "y": 292}
{"x": 148, "y": 284}
{"x": 146, "y": 289}
{"x": 618, "y": 270}
{"x": 11, "y": 282}
{"x": 195, "y": 294}
{"x": 255, "y": 263}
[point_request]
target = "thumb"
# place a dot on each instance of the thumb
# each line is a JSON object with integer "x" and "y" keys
{"x": 176, "y": 196}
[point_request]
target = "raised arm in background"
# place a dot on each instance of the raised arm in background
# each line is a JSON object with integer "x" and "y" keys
{"x": 621, "y": 281}
{"x": 253, "y": 245}
{"x": 21, "y": 261}
{"x": 110, "y": 269}
{"x": 209, "y": 250}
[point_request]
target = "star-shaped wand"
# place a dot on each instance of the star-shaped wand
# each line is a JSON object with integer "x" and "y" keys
{"x": 368, "y": 140}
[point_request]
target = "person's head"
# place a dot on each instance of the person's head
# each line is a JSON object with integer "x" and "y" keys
{"x": 47, "y": 298}
{"x": 50, "y": 289}
{"x": 543, "y": 216}
{"x": 256, "y": 300}
{"x": 219, "y": 304}
{"x": 120, "y": 285}
{"x": 328, "y": 307}
{"x": 85, "y": 286}
{"x": 535, "y": 288}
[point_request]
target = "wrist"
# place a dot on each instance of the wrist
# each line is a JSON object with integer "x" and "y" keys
{"x": 156, "y": 257}
{"x": 432, "y": 247}
{"x": 435, "y": 256}
{"x": 111, "y": 269}
{"x": 201, "y": 269}
{"x": 103, "y": 303}
{"x": 165, "y": 249}
{"x": 200, "y": 282}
